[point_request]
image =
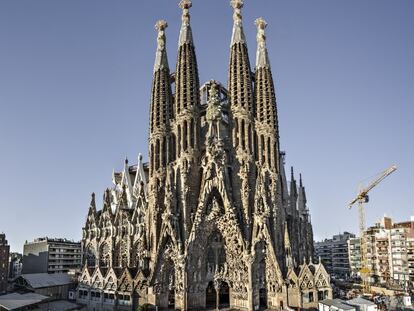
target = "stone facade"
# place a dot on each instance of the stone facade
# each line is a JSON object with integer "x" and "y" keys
{"x": 210, "y": 221}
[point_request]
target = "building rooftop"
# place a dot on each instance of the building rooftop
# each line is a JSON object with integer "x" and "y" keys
{"x": 56, "y": 240}
{"x": 338, "y": 303}
{"x": 360, "y": 301}
{"x": 58, "y": 305}
{"x": 40, "y": 280}
{"x": 15, "y": 301}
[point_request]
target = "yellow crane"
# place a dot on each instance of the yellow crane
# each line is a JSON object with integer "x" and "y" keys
{"x": 362, "y": 198}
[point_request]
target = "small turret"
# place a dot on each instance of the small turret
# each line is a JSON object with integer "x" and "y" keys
{"x": 301, "y": 198}
{"x": 288, "y": 249}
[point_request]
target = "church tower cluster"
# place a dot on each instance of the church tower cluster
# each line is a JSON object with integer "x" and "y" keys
{"x": 210, "y": 221}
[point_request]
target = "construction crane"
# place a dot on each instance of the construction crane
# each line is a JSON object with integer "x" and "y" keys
{"x": 363, "y": 198}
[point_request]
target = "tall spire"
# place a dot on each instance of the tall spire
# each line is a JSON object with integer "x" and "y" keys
{"x": 241, "y": 95}
{"x": 265, "y": 98}
{"x": 92, "y": 205}
{"x": 262, "y": 58}
{"x": 161, "y": 103}
{"x": 288, "y": 249}
{"x": 301, "y": 197}
{"x": 187, "y": 80}
{"x": 187, "y": 117}
{"x": 240, "y": 80}
{"x": 293, "y": 187}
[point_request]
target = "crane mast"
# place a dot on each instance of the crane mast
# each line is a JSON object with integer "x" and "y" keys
{"x": 362, "y": 198}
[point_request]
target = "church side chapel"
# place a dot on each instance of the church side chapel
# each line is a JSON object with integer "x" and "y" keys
{"x": 210, "y": 222}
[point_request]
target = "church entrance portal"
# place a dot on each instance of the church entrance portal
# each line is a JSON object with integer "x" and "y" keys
{"x": 263, "y": 298}
{"x": 224, "y": 295}
{"x": 171, "y": 299}
{"x": 211, "y": 296}
{"x": 220, "y": 299}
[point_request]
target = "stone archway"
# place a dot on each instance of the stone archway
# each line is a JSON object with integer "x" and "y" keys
{"x": 263, "y": 298}
{"x": 171, "y": 299}
{"x": 211, "y": 296}
{"x": 224, "y": 295}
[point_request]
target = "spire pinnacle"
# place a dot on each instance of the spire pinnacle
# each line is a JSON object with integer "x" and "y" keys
{"x": 287, "y": 239}
{"x": 300, "y": 180}
{"x": 93, "y": 204}
{"x": 185, "y": 32}
{"x": 292, "y": 175}
{"x": 262, "y": 59}
{"x": 238, "y": 33}
{"x": 161, "y": 60}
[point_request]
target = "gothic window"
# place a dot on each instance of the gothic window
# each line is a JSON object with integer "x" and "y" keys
{"x": 157, "y": 155}
{"x": 262, "y": 149}
{"x": 249, "y": 137}
{"x": 256, "y": 149}
{"x": 105, "y": 255}
{"x": 236, "y": 132}
{"x": 192, "y": 138}
{"x": 123, "y": 252}
{"x": 243, "y": 134}
{"x": 179, "y": 141}
{"x": 152, "y": 160}
{"x": 185, "y": 136}
{"x": 269, "y": 162}
{"x": 164, "y": 152}
{"x": 172, "y": 148}
{"x": 216, "y": 254}
{"x": 90, "y": 256}
{"x": 259, "y": 265}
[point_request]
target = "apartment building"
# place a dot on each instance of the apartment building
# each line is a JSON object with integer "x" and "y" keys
{"x": 45, "y": 255}
{"x": 4, "y": 263}
{"x": 354, "y": 252}
{"x": 389, "y": 252}
{"x": 410, "y": 256}
{"x": 334, "y": 254}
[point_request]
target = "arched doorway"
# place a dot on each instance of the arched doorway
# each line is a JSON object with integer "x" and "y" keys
{"x": 224, "y": 295}
{"x": 211, "y": 295}
{"x": 263, "y": 298}
{"x": 171, "y": 299}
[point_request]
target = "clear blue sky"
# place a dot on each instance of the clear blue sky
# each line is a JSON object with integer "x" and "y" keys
{"x": 75, "y": 82}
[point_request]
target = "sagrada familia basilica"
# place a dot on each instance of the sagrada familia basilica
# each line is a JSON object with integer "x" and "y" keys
{"x": 210, "y": 222}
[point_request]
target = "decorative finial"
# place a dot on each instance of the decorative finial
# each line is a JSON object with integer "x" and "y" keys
{"x": 261, "y": 23}
{"x": 185, "y": 31}
{"x": 237, "y": 5}
{"x": 93, "y": 195}
{"x": 161, "y": 61}
{"x": 238, "y": 33}
{"x": 126, "y": 160}
{"x": 261, "y": 57}
{"x": 300, "y": 180}
{"x": 161, "y": 25}
{"x": 291, "y": 173}
{"x": 185, "y": 5}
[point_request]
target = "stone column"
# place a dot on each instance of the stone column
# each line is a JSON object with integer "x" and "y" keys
{"x": 217, "y": 288}
{"x": 250, "y": 295}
